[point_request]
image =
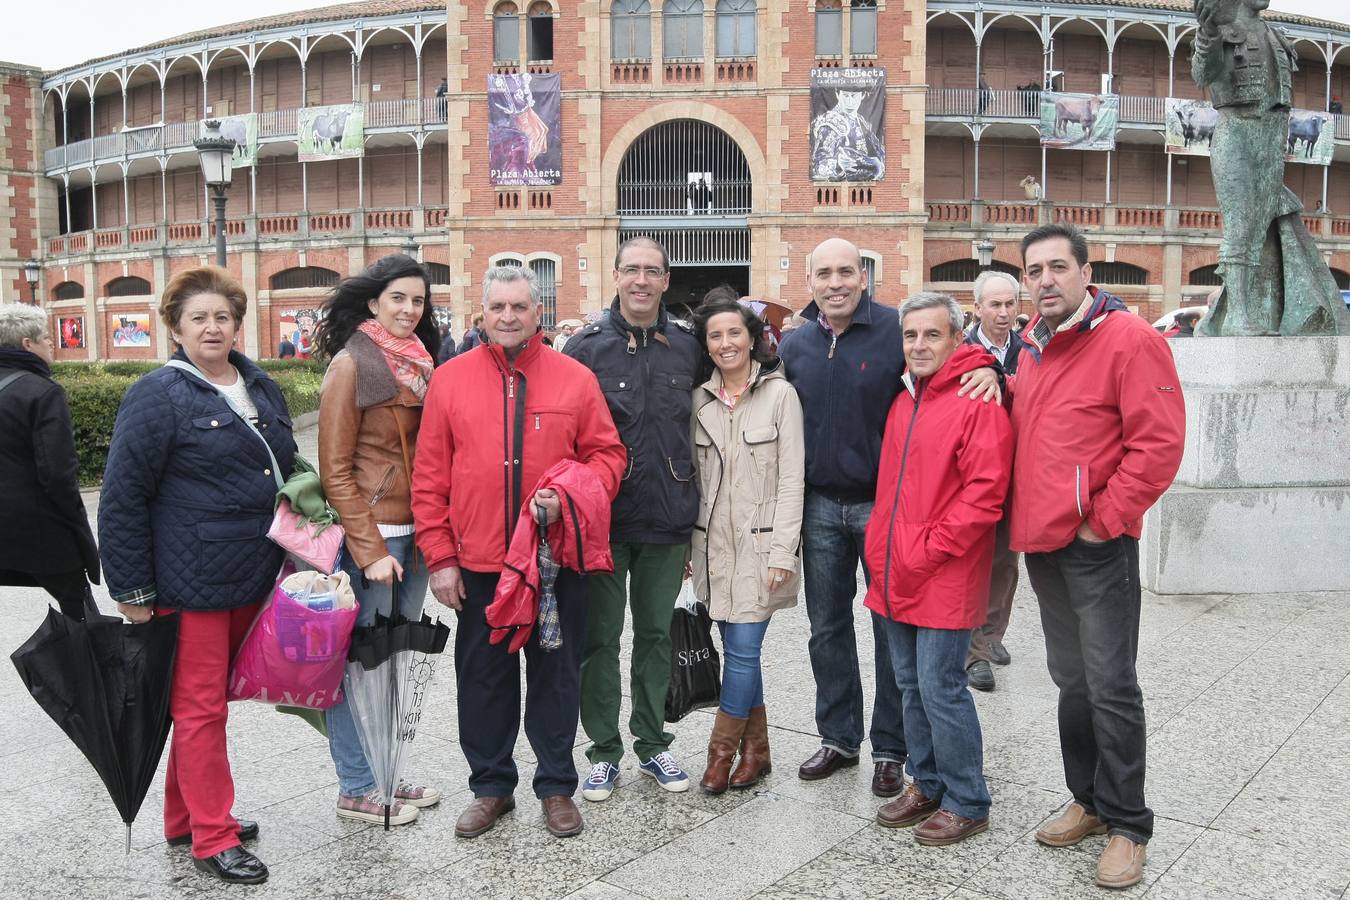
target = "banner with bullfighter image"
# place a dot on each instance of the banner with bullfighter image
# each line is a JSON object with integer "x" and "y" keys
{"x": 1312, "y": 137}
{"x": 1189, "y": 126}
{"x": 1079, "y": 121}
{"x": 525, "y": 129}
{"x": 331, "y": 132}
{"x": 848, "y": 124}
{"x": 243, "y": 130}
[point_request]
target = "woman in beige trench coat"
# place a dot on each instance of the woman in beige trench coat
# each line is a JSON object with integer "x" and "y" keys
{"x": 750, "y": 453}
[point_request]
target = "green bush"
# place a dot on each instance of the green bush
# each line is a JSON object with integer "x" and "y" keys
{"x": 95, "y": 391}
{"x": 290, "y": 365}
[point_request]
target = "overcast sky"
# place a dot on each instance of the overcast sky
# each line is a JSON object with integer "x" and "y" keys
{"x": 59, "y": 33}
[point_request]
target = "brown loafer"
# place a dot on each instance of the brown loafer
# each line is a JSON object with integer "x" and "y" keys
{"x": 1121, "y": 863}
{"x": 888, "y": 778}
{"x": 945, "y": 827}
{"x": 910, "y": 808}
{"x": 561, "y": 816}
{"x": 824, "y": 763}
{"x": 1070, "y": 827}
{"x": 482, "y": 814}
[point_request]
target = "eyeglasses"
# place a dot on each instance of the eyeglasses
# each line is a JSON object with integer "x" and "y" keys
{"x": 649, "y": 271}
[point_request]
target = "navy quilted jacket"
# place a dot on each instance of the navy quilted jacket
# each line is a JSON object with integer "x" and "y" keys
{"x": 188, "y": 492}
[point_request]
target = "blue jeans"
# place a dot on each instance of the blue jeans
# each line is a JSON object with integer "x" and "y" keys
{"x": 942, "y": 730}
{"x": 742, "y": 680}
{"x": 832, "y": 547}
{"x": 354, "y": 775}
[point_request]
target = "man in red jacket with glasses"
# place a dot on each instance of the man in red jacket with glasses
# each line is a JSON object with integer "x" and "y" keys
{"x": 494, "y": 421}
{"x": 1099, "y": 422}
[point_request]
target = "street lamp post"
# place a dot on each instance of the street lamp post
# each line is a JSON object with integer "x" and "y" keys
{"x": 410, "y": 247}
{"x": 216, "y": 155}
{"x": 985, "y": 251}
{"x": 32, "y": 271}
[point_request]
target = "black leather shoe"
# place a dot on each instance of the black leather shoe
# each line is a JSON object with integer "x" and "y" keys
{"x": 888, "y": 778}
{"x": 234, "y": 866}
{"x": 824, "y": 763}
{"x": 981, "y": 676}
{"x": 999, "y": 653}
{"x": 247, "y": 831}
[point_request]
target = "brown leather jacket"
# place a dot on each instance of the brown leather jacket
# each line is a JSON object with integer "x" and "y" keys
{"x": 364, "y": 461}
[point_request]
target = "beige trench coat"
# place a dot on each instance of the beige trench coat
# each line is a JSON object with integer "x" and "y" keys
{"x": 752, "y": 477}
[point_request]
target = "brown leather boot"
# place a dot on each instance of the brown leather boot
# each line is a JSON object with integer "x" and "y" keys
{"x": 754, "y": 763}
{"x": 722, "y": 743}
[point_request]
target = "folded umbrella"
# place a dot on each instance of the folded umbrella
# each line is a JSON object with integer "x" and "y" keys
{"x": 389, "y": 669}
{"x": 550, "y": 625}
{"x": 106, "y": 684}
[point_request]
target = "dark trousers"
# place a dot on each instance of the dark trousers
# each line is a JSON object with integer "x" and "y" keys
{"x": 487, "y": 680}
{"x": 70, "y": 590}
{"x": 1090, "y": 598}
{"x": 1002, "y": 589}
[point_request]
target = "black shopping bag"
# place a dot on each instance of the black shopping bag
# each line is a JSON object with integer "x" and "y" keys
{"x": 695, "y": 667}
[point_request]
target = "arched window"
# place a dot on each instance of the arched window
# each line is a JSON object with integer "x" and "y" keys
{"x": 829, "y": 28}
{"x": 862, "y": 28}
{"x": 968, "y": 270}
{"x": 682, "y": 29}
{"x": 506, "y": 33}
{"x": 439, "y": 272}
{"x": 736, "y": 27}
{"x": 1118, "y": 273}
{"x": 1342, "y": 279}
{"x": 540, "y": 34}
{"x": 869, "y": 264}
{"x": 68, "y": 290}
{"x": 1205, "y": 276}
{"x": 630, "y": 35}
{"x": 546, "y": 270}
{"x": 128, "y": 286}
{"x": 509, "y": 260}
{"x": 304, "y": 277}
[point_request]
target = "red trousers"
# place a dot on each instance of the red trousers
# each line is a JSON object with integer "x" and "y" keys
{"x": 199, "y": 790}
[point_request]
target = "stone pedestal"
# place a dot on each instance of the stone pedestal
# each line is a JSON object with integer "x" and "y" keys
{"x": 1262, "y": 501}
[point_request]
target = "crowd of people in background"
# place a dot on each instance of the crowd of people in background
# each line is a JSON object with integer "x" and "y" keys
{"x": 874, "y": 436}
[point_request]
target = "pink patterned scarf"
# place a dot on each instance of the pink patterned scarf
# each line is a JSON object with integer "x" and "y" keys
{"x": 410, "y": 362}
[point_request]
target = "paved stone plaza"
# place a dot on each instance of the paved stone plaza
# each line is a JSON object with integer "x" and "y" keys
{"x": 1249, "y": 717}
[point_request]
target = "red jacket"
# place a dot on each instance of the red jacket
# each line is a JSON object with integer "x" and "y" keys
{"x": 1100, "y": 425}
{"x": 945, "y": 466}
{"x": 490, "y": 430}
{"x": 579, "y": 541}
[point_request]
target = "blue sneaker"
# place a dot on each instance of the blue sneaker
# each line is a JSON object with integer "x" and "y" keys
{"x": 600, "y": 783}
{"x": 667, "y": 772}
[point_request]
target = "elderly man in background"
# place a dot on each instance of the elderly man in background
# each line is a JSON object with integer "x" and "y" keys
{"x": 494, "y": 421}
{"x": 45, "y": 540}
{"x": 996, "y": 297}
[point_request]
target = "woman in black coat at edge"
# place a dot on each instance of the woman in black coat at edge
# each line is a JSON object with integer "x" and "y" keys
{"x": 45, "y": 539}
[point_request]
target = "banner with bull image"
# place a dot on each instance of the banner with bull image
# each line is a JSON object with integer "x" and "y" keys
{"x": 331, "y": 132}
{"x": 1312, "y": 137}
{"x": 243, "y": 130}
{"x": 848, "y": 124}
{"x": 1189, "y": 126}
{"x": 1079, "y": 121}
{"x": 524, "y": 129}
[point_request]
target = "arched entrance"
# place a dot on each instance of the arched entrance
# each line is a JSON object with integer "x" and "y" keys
{"x": 687, "y": 184}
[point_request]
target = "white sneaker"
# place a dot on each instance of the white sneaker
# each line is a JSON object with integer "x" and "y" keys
{"x": 370, "y": 808}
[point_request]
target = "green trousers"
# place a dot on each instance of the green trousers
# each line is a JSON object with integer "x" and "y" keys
{"x": 656, "y": 571}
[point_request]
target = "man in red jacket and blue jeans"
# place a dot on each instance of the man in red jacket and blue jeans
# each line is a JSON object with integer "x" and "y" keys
{"x": 930, "y": 548}
{"x": 1100, "y": 423}
{"x": 495, "y": 419}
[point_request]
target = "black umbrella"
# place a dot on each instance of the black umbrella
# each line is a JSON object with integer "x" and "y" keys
{"x": 106, "y": 684}
{"x": 388, "y": 672}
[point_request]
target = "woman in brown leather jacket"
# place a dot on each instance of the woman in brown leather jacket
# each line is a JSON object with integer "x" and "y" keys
{"x": 379, "y": 333}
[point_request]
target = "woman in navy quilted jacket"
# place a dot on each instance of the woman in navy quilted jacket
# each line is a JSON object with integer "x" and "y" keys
{"x": 187, "y": 499}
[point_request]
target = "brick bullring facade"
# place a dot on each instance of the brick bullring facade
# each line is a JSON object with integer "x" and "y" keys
{"x": 101, "y": 183}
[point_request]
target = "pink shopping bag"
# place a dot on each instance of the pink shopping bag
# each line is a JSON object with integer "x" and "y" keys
{"x": 296, "y": 651}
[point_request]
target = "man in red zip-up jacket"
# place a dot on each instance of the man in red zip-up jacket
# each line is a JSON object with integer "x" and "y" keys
{"x": 1099, "y": 423}
{"x": 494, "y": 420}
